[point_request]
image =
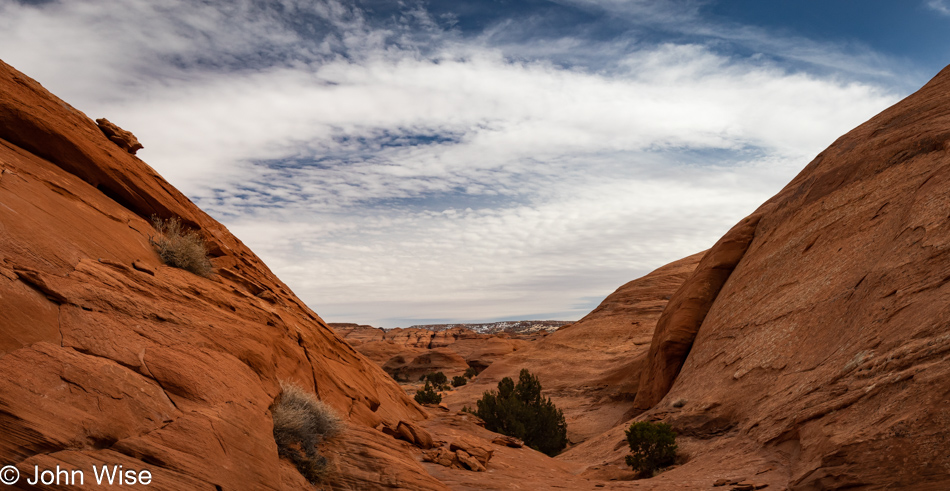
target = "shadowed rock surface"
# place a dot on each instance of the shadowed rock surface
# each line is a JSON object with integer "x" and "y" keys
{"x": 676, "y": 328}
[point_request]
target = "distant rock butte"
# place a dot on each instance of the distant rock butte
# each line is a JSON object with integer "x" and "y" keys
{"x": 511, "y": 327}
{"x": 409, "y": 353}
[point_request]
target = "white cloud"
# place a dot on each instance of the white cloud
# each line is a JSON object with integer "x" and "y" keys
{"x": 387, "y": 173}
{"x": 940, "y": 6}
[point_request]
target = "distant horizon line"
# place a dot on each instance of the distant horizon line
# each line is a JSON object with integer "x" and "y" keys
{"x": 453, "y": 324}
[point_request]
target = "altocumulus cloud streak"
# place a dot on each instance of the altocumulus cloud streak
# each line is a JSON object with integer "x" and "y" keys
{"x": 395, "y": 169}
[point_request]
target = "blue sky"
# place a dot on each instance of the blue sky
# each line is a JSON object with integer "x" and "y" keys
{"x": 400, "y": 163}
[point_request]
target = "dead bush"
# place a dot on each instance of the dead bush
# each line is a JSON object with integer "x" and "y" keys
{"x": 180, "y": 249}
{"x": 301, "y": 423}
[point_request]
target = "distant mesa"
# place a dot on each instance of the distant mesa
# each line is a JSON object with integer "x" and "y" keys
{"x": 408, "y": 353}
{"x": 513, "y": 327}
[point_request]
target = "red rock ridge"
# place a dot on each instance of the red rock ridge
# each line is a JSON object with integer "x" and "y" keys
{"x": 412, "y": 352}
{"x": 822, "y": 360}
{"x": 111, "y": 357}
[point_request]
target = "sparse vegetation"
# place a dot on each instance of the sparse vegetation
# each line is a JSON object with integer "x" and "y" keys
{"x": 652, "y": 446}
{"x": 459, "y": 381}
{"x": 400, "y": 377}
{"x": 427, "y": 395}
{"x": 520, "y": 411}
{"x": 301, "y": 423}
{"x": 180, "y": 249}
{"x": 438, "y": 380}
{"x": 471, "y": 372}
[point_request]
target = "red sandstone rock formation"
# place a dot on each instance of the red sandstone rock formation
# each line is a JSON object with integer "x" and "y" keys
{"x": 820, "y": 360}
{"x": 412, "y": 352}
{"x": 585, "y": 367}
{"x": 124, "y": 139}
{"x": 108, "y": 356}
{"x": 677, "y": 326}
{"x": 432, "y": 361}
{"x": 807, "y": 350}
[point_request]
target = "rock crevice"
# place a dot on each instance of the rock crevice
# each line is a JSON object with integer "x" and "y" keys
{"x": 683, "y": 316}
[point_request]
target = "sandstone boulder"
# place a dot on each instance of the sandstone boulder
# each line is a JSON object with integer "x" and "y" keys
{"x": 441, "y": 456}
{"x": 479, "y": 449}
{"x": 469, "y": 462}
{"x": 414, "y": 435}
{"x": 124, "y": 139}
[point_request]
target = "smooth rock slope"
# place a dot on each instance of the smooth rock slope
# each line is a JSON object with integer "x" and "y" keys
{"x": 110, "y": 357}
{"x": 815, "y": 336}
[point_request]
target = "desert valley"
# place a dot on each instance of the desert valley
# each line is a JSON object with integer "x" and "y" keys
{"x": 808, "y": 348}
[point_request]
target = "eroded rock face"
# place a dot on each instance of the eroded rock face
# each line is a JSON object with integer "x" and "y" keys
{"x": 124, "y": 139}
{"x": 108, "y": 356}
{"x": 824, "y": 354}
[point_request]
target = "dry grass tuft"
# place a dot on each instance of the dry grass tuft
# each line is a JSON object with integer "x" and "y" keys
{"x": 181, "y": 249}
{"x": 301, "y": 423}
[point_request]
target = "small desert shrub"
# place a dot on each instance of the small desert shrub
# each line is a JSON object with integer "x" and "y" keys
{"x": 438, "y": 379}
{"x": 459, "y": 381}
{"x": 652, "y": 445}
{"x": 471, "y": 372}
{"x": 301, "y": 423}
{"x": 520, "y": 411}
{"x": 427, "y": 395}
{"x": 180, "y": 249}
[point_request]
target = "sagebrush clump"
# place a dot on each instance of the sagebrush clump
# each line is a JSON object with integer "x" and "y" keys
{"x": 652, "y": 446}
{"x": 180, "y": 249}
{"x": 427, "y": 395}
{"x": 301, "y": 423}
{"x": 459, "y": 381}
{"x": 520, "y": 411}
